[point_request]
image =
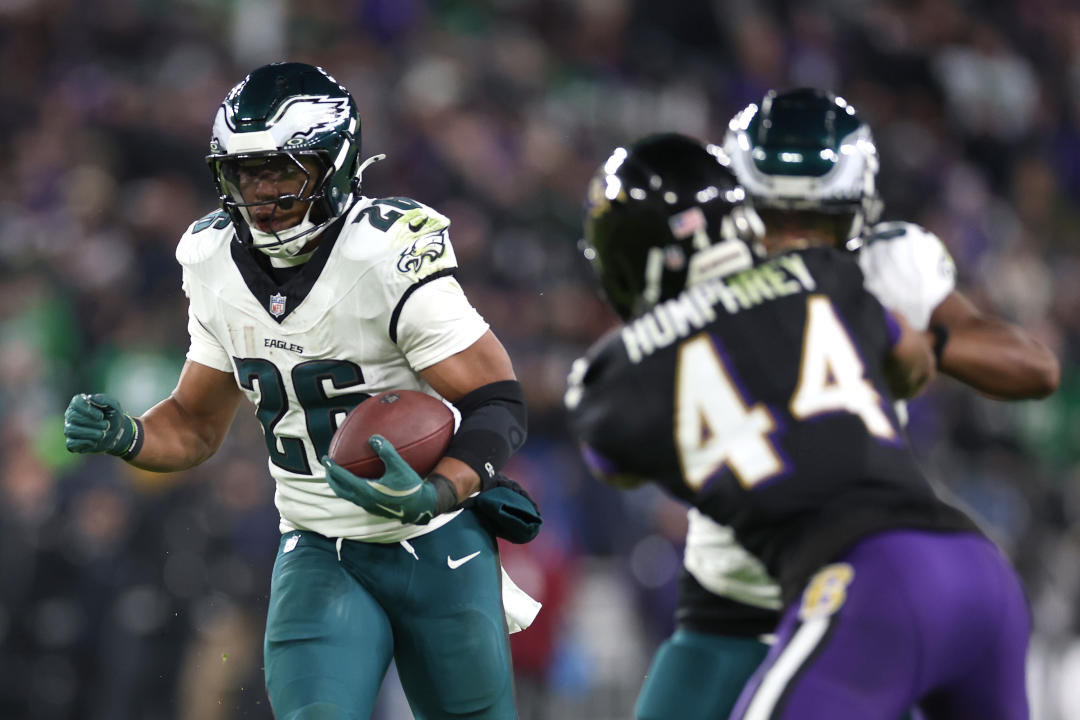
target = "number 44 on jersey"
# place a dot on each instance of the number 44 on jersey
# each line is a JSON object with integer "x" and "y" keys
{"x": 716, "y": 426}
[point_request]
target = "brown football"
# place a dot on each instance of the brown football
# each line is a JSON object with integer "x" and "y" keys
{"x": 418, "y": 425}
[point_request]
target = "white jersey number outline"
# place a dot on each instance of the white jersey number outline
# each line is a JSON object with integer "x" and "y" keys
{"x": 715, "y": 425}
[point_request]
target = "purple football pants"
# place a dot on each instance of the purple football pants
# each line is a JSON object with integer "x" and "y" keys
{"x": 904, "y": 618}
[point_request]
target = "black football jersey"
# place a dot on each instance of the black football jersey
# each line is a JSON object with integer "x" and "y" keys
{"x": 761, "y": 399}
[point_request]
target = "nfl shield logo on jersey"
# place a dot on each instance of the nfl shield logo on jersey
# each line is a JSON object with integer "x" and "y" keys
{"x": 277, "y": 305}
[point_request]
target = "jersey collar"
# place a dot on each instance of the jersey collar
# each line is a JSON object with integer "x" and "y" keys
{"x": 280, "y": 300}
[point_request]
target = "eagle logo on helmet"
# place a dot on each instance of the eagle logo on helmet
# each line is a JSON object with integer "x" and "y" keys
{"x": 314, "y": 114}
{"x": 428, "y": 247}
{"x": 299, "y": 120}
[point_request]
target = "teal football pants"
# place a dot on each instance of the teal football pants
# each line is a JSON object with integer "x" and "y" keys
{"x": 698, "y": 676}
{"x": 433, "y": 604}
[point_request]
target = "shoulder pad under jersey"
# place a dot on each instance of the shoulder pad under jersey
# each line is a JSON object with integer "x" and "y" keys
{"x": 203, "y": 237}
{"x": 409, "y": 237}
{"x": 908, "y": 269}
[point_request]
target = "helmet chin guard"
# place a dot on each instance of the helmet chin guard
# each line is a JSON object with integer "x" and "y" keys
{"x": 288, "y": 242}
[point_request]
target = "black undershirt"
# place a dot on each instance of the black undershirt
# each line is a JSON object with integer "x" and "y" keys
{"x": 291, "y": 283}
{"x": 282, "y": 275}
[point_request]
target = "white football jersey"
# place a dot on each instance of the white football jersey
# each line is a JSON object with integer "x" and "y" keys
{"x": 375, "y": 304}
{"x": 721, "y": 565}
{"x": 910, "y": 271}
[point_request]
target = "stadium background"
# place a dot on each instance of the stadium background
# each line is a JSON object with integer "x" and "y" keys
{"x": 128, "y": 595}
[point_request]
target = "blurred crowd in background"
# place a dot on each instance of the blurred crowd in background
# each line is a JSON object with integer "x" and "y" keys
{"x": 127, "y": 595}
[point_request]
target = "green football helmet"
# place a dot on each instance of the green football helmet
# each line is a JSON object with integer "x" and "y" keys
{"x": 807, "y": 150}
{"x": 294, "y": 120}
{"x": 662, "y": 214}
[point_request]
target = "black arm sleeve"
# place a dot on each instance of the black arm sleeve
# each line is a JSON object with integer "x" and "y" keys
{"x": 493, "y": 427}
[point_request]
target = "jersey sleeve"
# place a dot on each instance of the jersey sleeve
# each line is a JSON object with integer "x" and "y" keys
{"x": 403, "y": 250}
{"x": 204, "y": 347}
{"x": 908, "y": 269}
{"x": 436, "y": 321}
{"x": 197, "y": 247}
{"x": 612, "y": 414}
{"x": 429, "y": 316}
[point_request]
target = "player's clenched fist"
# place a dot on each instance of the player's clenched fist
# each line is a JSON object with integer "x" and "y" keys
{"x": 96, "y": 423}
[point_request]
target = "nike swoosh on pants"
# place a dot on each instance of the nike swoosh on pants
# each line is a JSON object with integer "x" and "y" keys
{"x": 455, "y": 564}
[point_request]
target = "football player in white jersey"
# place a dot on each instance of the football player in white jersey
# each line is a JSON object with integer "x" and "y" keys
{"x": 809, "y": 165}
{"x": 306, "y": 298}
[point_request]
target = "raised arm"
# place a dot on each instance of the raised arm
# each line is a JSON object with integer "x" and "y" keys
{"x": 993, "y": 356}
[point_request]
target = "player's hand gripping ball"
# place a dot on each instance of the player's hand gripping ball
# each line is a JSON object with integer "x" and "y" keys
{"x": 381, "y": 453}
{"x": 418, "y": 425}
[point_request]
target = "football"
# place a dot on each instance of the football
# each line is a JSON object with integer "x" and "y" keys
{"x": 418, "y": 425}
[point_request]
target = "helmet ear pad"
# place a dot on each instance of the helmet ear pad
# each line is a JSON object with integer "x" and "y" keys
{"x": 321, "y": 209}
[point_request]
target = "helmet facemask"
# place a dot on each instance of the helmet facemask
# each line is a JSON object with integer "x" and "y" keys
{"x": 268, "y": 190}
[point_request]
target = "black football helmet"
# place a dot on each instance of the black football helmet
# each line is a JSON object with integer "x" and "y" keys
{"x": 287, "y": 118}
{"x": 807, "y": 150}
{"x": 661, "y": 214}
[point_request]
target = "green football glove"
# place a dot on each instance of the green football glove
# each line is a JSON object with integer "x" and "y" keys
{"x": 96, "y": 423}
{"x": 400, "y": 494}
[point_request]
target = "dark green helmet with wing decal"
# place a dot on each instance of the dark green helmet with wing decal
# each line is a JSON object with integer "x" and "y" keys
{"x": 806, "y": 149}
{"x": 663, "y": 213}
{"x": 287, "y": 120}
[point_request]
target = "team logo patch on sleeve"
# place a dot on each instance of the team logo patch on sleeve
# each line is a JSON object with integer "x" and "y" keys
{"x": 428, "y": 247}
{"x": 277, "y": 305}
